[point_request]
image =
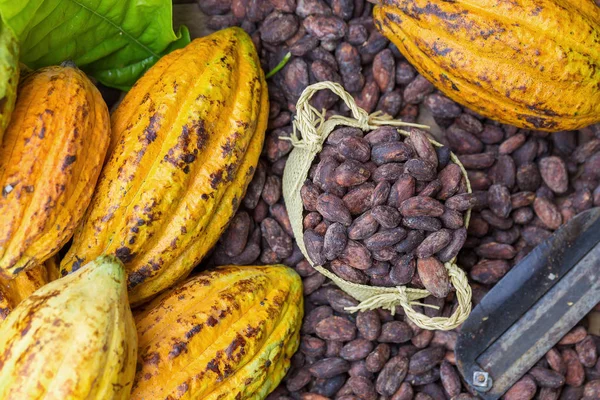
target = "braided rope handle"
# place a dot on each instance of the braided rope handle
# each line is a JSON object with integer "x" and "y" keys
{"x": 314, "y": 129}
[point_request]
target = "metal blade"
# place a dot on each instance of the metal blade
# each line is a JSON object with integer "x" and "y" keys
{"x": 532, "y": 307}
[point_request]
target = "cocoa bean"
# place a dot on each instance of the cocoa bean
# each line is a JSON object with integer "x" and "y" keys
{"x": 387, "y": 216}
{"x": 387, "y": 152}
{"x": 461, "y": 202}
{"x": 380, "y": 193}
{"x": 333, "y": 208}
{"x": 528, "y": 177}
{"x": 384, "y": 70}
{"x": 403, "y": 269}
{"x": 421, "y": 170}
{"x": 575, "y": 375}
{"x": 405, "y": 392}
{"x": 587, "y": 352}
{"x": 348, "y": 273}
{"x": 325, "y": 27}
{"x": 434, "y": 276}
{"x": 547, "y": 213}
{"x": 452, "y": 219}
{"x": 417, "y": 89}
{"x": 277, "y": 239}
{"x": 499, "y": 200}
{"x": 547, "y": 378}
{"x": 236, "y": 235}
{"x": 424, "y": 360}
{"x": 477, "y": 161}
{"x": 554, "y": 174}
{"x": 363, "y": 227}
{"x": 314, "y": 246}
{"x": 391, "y": 376}
{"x": 325, "y": 178}
{"x": 378, "y": 357}
{"x": 354, "y": 148}
{"x": 459, "y": 236}
{"x": 419, "y": 206}
{"x": 450, "y": 379}
{"x": 385, "y": 238}
{"x": 496, "y": 251}
{"x": 430, "y": 224}
{"x": 431, "y": 189}
{"x": 382, "y": 135}
{"x": 335, "y": 241}
{"x": 401, "y": 190}
{"x": 351, "y": 173}
{"x": 329, "y": 367}
{"x": 356, "y": 255}
{"x": 335, "y": 328}
{"x": 463, "y": 142}
{"x": 412, "y": 240}
{"x": 423, "y": 146}
{"x": 357, "y": 200}
{"x": 433, "y": 243}
{"x": 388, "y": 172}
{"x": 574, "y": 336}
{"x": 278, "y": 27}
{"x": 357, "y": 349}
{"x": 524, "y": 389}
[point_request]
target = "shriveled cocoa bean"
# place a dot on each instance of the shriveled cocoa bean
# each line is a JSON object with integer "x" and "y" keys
{"x": 314, "y": 246}
{"x": 329, "y": 367}
{"x": 463, "y": 142}
{"x": 477, "y": 161}
{"x": 574, "y": 336}
{"x": 496, "y": 251}
{"x": 363, "y": 227}
{"x": 450, "y": 178}
{"x": 391, "y": 376}
{"x": 382, "y": 135}
{"x": 417, "y": 89}
{"x": 412, "y": 240}
{"x": 385, "y": 238}
{"x": 333, "y": 208}
{"x": 356, "y": 255}
{"x": 388, "y": 172}
{"x": 336, "y": 328}
{"x": 524, "y": 389}
{"x": 387, "y": 216}
{"x": 430, "y": 224}
{"x": 421, "y": 170}
{"x": 421, "y": 206}
{"x": 423, "y": 146}
{"x": 401, "y": 190}
{"x": 459, "y": 236}
{"x": 351, "y": 173}
{"x": 387, "y": 152}
{"x": 433, "y": 243}
{"x": 357, "y": 349}
{"x": 450, "y": 379}
{"x": 575, "y": 375}
{"x": 547, "y": 378}
{"x": 587, "y": 352}
{"x": 554, "y": 174}
{"x": 380, "y": 193}
{"x": 348, "y": 273}
{"x": 426, "y": 359}
{"x": 335, "y": 241}
{"x": 504, "y": 171}
{"x": 547, "y": 212}
{"x": 461, "y": 202}
{"x": 434, "y": 276}
{"x": 403, "y": 269}
{"x": 378, "y": 357}
{"x": 452, "y": 219}
{"x": 354, "y": 148}
{"x": 499, "y": 200}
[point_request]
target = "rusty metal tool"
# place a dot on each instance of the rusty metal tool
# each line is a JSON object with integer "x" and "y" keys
{"x": 532, "y": 307}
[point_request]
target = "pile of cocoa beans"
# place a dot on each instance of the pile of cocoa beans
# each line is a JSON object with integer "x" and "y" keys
{"x": 525, "y": 185}
{"x": 380, "y": 208}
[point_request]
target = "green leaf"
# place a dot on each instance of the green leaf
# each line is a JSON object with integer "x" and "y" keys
{"x": 115, "y": 41}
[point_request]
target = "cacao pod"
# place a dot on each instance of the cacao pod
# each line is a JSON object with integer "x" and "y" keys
{"x": 12, "y": 292}
{"x": 533, "y": 64}
{"x": 9, "y": 74}
{"x": 50, "y": 159}
{"x": 72, "y": 339}
{"x": 187, "y": 138}
{"x": 227, "y": 333}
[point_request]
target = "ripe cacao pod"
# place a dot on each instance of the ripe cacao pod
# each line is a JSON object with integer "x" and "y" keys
{"x": 533, "y": 64}
{"x": 50, "y": 159}
{"x": 12, "y": 292}
{"x": 187, "y": 139}
{"x": 9, "y": 74}
{"x": 227, "y": 333}
{"x": 72, "y": 339}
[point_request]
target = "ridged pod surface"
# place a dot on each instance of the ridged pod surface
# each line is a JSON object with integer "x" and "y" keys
{"x": 223, "y": 334}
{"x": 50, "y": 160}
{"x": 530, "y": 63}
{"x": 9, "y": 74}
{"x": 72, "y": 339}
{"x": 186, "y": 141}
{"x": 13, "y": 292}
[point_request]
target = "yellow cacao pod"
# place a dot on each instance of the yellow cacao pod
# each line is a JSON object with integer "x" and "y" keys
{"x": 223, "y": 334}
{"x": 186, "y": 141}
{"x": 13, "y": 292}
{"x": 50, "y": 159}
{"x": 533, "y": 64}
{"x": 72, "y": 339}
{"x": 9, "y": 74}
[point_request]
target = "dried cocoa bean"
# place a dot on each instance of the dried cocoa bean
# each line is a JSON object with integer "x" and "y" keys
{"x": 434, "y": 276}
{"x": 433, "y": 243}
